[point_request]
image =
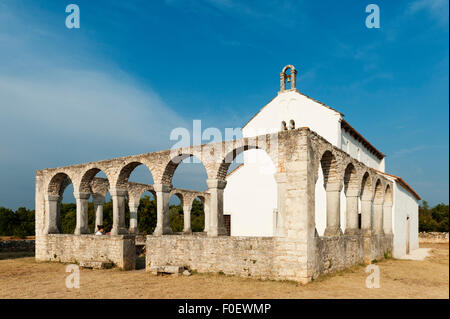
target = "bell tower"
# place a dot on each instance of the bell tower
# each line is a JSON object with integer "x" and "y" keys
{"x": 288, "y": 76}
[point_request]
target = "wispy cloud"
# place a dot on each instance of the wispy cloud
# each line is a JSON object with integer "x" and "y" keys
{"x": 438, "y": 9}
{"x": 419, "y": 148}
{"x": 54, "y": 112}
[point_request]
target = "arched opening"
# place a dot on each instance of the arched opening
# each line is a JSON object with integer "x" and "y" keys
{"x": 135, "y": 175}
{"x": 366, "y": 204}
{"x": 332, "y": 188}
{"x": 351, "y": 190}
{"x": 146, "y": 213}
{"x": 60, "y": 206}
{"x": 251, "y": 194}
{"x": 378, "y": 208}
{"x": 94, "y": 185}
{"x": 176, "y": 213}
{"x": 186, "y": 173}
{"x": 198, "y": 214}
{"x": 387, "y": 210}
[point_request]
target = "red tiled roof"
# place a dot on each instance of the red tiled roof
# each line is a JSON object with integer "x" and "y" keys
{"x": 403, "y": 183}
{"x": 348, "y": 128}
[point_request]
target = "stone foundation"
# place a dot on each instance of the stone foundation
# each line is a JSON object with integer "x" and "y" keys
{"x": 433, "y": 238}
{"x": 119, "y": 250}
{"x": 262, "y": 257}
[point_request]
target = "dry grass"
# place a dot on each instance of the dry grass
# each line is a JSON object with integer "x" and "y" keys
{"x": 23, "y": 277}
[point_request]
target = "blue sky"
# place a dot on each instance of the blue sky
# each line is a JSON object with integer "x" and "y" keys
{"x": 137, "y": 69}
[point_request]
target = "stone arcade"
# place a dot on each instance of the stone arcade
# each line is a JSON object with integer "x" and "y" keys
{"x": 294, "y": 252}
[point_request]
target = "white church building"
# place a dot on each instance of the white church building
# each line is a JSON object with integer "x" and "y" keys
{"x": 252, "y": 211}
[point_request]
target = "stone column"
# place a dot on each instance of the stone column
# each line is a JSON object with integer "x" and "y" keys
{"x": 162, "y": 209}
{"x": 366, "y": 215}
{"x": 215, "y": 189}
{"x": 118, "y": 198}
{"x": 281, "y": 180}
{"x": 333, "y": 211}
{"x": 378, "y": 216}
{"x": 99, "y": 201}
{"x": 351, "y": 227}
{"x": 52, "y": 214}
{"x": 387, "y": 218}
{"x": 206, "y": 210}
{"x": 187, "y": 219}
{"x": 133, "y": 217}
{"x": 82, "y": 200}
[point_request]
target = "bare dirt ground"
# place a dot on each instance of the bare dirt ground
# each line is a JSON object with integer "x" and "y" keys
{"x": 23, "y": 277}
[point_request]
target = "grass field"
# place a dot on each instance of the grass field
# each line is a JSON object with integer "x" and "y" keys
{"x": 22, "y": 277}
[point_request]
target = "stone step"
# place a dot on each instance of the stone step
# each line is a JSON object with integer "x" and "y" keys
{"x": 175, "y": 270}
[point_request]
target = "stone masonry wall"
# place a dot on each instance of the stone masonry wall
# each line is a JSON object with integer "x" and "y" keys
{"x": 66, "y": 248}
{"x": 16, "y": 245}
{"x": 242, "y": 256}
{"x": 433, "y": 238}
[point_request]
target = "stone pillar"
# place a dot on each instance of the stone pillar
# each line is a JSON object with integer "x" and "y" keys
{"x": 187, "y": 219}
{"x": 52, "y": 214}
{"x": 206, "y": 210}
{"x": 333, "y": 211}
{"x": 133, "y": 217}
{"x": 99, "y": 201}
{"x": 281, "y": 180}
{"x": 215, "y": 189}
{"x": 351, "y": 227}
{"x": 366, "y": 215}
{"x": 378, "y": 216}
{"x": 82, "y": 200}
{"x": 387, "y": 218}
{"x": 162, "y": 209}
{"x": 118, "y": 198}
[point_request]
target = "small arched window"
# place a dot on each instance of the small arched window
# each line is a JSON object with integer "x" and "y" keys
{"x": 292, "y": 124}
{"x": 283, "y": 126}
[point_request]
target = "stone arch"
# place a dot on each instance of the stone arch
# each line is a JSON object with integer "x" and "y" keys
{"x": 388, "y": 196}
{"x": 125, "y": 172}
{"x": 378, "y": 191}
{"x": 232, "y": 154}
{"x": 285, "y": 78}
{"x": 330, "y": 170}
{"x": 87, "y": 178}
{"x": 58, "y": 183}
{"x": 351, "y": 182}
{"x": 366, "y": 186}
{"x": 180, "y": 196}
{"x": 174, "y": 162}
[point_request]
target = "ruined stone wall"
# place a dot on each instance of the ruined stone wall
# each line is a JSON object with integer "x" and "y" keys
{"x": 433, "y": 238}
{"x": 66, "y": 248}
{"x": 242, "y": 256}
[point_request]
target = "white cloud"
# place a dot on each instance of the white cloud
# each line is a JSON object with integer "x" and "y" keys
{"x": 437, "y": 8}
{"x": 62, "y": 106}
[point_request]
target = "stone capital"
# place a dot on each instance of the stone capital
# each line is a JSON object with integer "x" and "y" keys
{"x": 81, "y": 195}
{"x": 377, "y": 201}
{"x": 216, "y": 183}
{"x": 165, "y": 188}
{"x": 333, "y": 187}
{"x": 352, "y": 193}
{"x": 50, "y": 197}
{"x": 98, "y": 199}
{"x": 118, "y": 192}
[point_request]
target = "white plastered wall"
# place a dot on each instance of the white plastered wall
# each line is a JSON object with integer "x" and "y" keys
{"x": 250, "y": 196}
{"x": 405, "y": 204}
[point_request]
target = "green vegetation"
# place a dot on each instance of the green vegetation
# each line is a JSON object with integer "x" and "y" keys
{"x": 21, "y": 222}
{"x": 433, "y": 219}
{"x": 18, "y": 223}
